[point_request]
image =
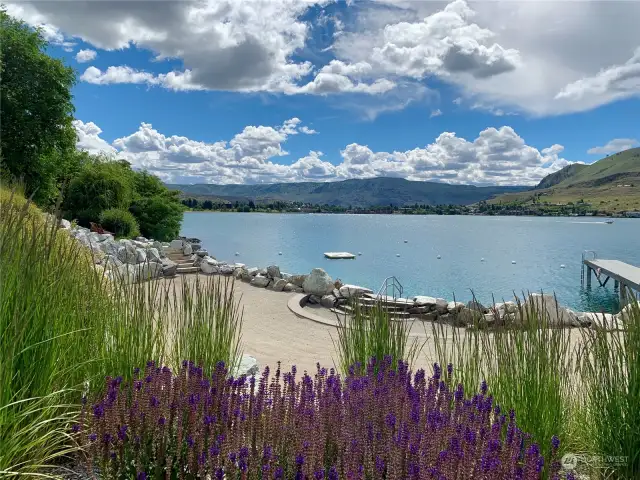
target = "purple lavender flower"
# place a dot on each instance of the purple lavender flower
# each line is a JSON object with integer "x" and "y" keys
{"x": 333, "y": 473}
{"x": 92, "y": 437}
{"x": 141, "y": 476}
{"x": 555, "y": 443}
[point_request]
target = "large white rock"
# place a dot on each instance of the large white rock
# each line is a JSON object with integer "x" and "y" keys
{"x": 348, "y": 291}
{"x": 422, "y": 300}
{"x": 226, "y": 269}
{"x": 153, "y": 255}
{"x": 455, "y": 307}
{"x": 297, "y": 280}
{"x": 555, "y": 314}
{"x": 176, "y": 244}
{"x": 278, "y": 285}
{"x": 148, "y": 271}
{"x": 110, "y": 262}
{"x": 66, "y": 224}
{"x": 602, "y": 321}
{"x": 209, "y": 266}
{"x": 248, "y": 366}
{"x": 273, "y": 271}
{"x": 104, "y": 237}
{"x": 318, "y": 282}
{"x": 126, "y": 273}
{"x": 253, "y": 271}
{"x": 127, "y": 253}
{"x": 187, "y": 250}
{"x": 442, "y": 305}
{"x": 260, "y": 281}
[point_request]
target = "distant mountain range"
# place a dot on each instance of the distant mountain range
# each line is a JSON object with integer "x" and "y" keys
{"x": 355, "y": 193}
{"x": 611, "y": 184}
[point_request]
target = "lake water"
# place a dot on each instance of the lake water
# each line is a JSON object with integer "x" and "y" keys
{"x": 538, "y": 245}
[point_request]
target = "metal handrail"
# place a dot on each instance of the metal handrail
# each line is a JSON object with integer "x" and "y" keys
{"x": 584, "y": 254}
{"x": 394, "y": 283}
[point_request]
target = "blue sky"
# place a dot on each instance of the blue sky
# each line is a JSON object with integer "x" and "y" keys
{"x": 293, "y": 90}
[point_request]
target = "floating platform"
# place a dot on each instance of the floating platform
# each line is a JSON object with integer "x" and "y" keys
{"x": 339, "y": 255}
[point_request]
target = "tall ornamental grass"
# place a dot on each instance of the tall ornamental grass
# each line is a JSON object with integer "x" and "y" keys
{"x": 208, "y": 322}
{"x": 529, "y": 368}
{"x": 610, "y": 372}
{"x": 372, "y": 333}
{"x": 383, "y": 423}
{"x": 65, "y": 326}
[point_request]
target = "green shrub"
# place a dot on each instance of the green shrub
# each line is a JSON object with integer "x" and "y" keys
{"x": 157, "y": 209}
{"x": 159, "y": 217}
{"x": 100, "y": 185}
{"x": 119, "y": 222}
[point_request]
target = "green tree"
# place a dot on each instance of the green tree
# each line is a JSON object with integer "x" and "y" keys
{"x": 101, "y": 184}
{"x": 157, "y": 209}
{"x": 37, "y": 138}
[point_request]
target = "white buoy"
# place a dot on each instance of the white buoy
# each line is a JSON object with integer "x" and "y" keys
{"x": 406, "y": 241}
{"x": 513, "y": 262}
{"x": 482, "y": 259}
{"x": 237, "y": 253}
{"x": 397, "y": 254}
{"x": 359, "y": 253}
{"x": 562, "y": 266}
{"x": 438, "y": 257}
{"x": 279, "y": 253}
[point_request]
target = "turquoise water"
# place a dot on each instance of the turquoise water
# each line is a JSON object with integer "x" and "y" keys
{"x": 539, "y": 245}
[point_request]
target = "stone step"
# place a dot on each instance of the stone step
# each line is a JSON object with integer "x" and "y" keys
{"x": 185, "y": 264}
{"x": 188, "y": 269}
{"x": 392, "y": 315}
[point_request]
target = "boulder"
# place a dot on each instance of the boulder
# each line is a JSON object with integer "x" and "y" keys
{"x": 454, "y": 307}
{"x": 427, "y": 316}
{"x": 238, "y": 272}
{"x": 253, "y": 271}
{"x": 290, "y": 287}
{"x": 297, "y": 280}
{"x": 226, "y": 269}
{"x": 422, "y": 300}
{"x": 141, "y": 239}
{"x": 278, "y": 285}
{"x": 627, "y": 311}
{"x": 601, "y": 321}
{"x": 318, "y": 282}
{"x": 103, "y": 237}
{"x": 260, "y": 281}
{"x": 418, "y": 310}
{"x": 328, "y": 301}
{"x": 127, "y": 253}
{"x": 153, "y": 255}
{"x": 273, "y": 271}
{"x": 196, "y": 247}
{"x": 314, "y": 299}
{"x": 187, "y": 250}
{"x": 548, "y": 307}
{"x": 209, "y": 266}
{"x": 442, "y": 306}
{"x": 66, "y": 224}
{"x": 157, "y": 245}
{"x": 110, "y": 262}
{"x": 202, "y": 253}
{"x": 126, "y": 273}
{"x": 348, "y": 291}
{"x": 176, "y": 244}
{"x": 248, "y": 367}
{"x": 477, "y": 306}
{"x": 110, "y": 247}
{"x": 141, "y": 255}
{"x": 169, "y": 269}
{"x": 149, "y": 270}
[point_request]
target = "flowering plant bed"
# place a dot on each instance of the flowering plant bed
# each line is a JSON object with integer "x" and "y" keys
{"x": 382, "y": 424}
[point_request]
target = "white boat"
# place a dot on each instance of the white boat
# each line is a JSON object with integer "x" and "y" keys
{"x": 609, "y": 222}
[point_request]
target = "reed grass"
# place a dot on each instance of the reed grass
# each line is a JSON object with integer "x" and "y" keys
{"x": 610, "y": 372}
{"x": 208, "y": 323}
{"x": 372, "y": 333}
{"x": 64, "y": 327}
{"x": 528, "y": 369}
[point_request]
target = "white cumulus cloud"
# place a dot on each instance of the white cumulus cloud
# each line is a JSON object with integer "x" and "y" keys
{"x": 86, "y": 56}
{"x": 614, "y": 146}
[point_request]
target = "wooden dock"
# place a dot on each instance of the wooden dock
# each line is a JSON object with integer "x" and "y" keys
{"x": 625, "y": 276}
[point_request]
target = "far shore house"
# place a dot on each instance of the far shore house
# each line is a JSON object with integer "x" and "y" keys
{"x": 633, "y": 214}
